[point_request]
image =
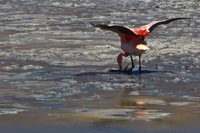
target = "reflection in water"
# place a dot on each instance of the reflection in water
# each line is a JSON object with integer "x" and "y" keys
{"x": 133, "y": 106}
{"x": 133, "y": 99}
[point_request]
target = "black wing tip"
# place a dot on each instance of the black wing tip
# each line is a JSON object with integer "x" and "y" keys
{"x": 182, "y": 18}
{"x": 95, "y": 25}
{"x": 165, "y": 22}
{"x": 173, "y": 19}
{"x": 98, "y": 25}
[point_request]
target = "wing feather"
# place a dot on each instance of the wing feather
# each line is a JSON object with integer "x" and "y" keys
{"x": 155, "y": 24}
{"x": 116, "y": 28}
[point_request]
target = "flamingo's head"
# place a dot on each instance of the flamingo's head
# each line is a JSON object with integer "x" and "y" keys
{"x": 120, "y": 58}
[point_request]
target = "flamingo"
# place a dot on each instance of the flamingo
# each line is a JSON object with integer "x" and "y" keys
{"x": 133, "y": 41}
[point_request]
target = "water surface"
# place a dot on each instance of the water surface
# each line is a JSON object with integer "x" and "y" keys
{"x": 59, "y": 74}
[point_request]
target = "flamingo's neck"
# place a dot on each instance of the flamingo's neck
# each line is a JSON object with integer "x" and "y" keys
{"x": 120, "y": 58}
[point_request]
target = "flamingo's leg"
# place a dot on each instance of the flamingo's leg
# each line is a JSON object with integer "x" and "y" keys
{"x": 132, "y": 64}
{"x": 140, "y": 64}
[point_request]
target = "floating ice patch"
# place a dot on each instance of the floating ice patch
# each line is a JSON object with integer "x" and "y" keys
{"x": 192, "y": 98}
{"x": 24, "y": 67}
{"x": 37, "y": 75}
{"x": 9, "y": 111}
{"x": 105, "y": 85}
{"x": 134, "y": 93}
{"x": 179, "y": 103}
{"x": 152, "y": 92}
{"x": 156, "y": 102}
{"x": 107, "y": 113}
{"x": 57, "y": 94}
{"x": 48, "y": 97}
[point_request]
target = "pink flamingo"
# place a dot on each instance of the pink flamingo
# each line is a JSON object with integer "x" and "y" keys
{"x": 133, "y": 41}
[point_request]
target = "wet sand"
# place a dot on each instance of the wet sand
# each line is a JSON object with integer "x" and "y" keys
{"x": 59, "y": 74}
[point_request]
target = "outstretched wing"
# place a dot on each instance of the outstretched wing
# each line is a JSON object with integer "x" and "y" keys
{"x": 116, "y": 28}
{"x": 154, "y": 24}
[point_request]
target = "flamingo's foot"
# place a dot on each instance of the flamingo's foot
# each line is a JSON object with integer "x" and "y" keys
{"x": 126, "y": 69}
{"x": 130, "y": 70}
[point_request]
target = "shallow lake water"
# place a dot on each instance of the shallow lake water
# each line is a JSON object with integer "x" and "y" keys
{"x": 59, "y": 74}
